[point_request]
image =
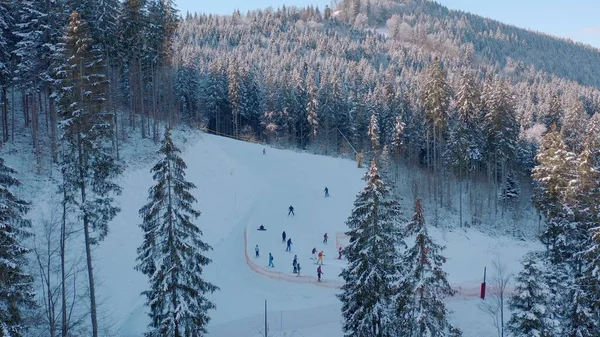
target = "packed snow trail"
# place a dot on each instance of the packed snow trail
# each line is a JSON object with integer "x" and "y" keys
{"x": 239, "y": 189}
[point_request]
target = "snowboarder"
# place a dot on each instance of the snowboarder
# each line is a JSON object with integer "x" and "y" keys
{"x": 271, "y": 261}
{"x": 261, "y": 228}
{"x": 298, "y": 268}
{"x": 340, "y": 253}
{"x": 256, "y": 251}
{"x": 289, "y": 245}
{"x": 283, "y": 236}
{"x": 291, "y": 210}
{"x": 320, "y": 260}
{"x": 295, "y": 263}
{"x": 319, "y": 273}
{"x": 325, "y": 238}
{"x": 326, "y": 192}
{"x": 264, "y": 151}
{"x": 314, "y": 252}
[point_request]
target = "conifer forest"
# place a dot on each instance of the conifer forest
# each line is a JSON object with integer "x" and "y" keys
{"x": 450, "y": 113}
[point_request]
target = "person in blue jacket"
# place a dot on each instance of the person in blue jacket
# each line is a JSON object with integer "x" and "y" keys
{"x": 271, "y": 261}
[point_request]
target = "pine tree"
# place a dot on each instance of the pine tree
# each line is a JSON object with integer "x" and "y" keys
{"x": 374, "y": 132}
{"x": 424, "y": 284}
{"x": 7, "y": 45}
{"x": 172, "y": 252}
{"x": 312, "y": 105}
{"x": 16, "y": 286}
{"x": 88, "y": 165}
{"x": 529, "y": 304}
{"x": 371, "y": 255}
{"x": 574, "y": 125}
{"x": 557, "y": 167}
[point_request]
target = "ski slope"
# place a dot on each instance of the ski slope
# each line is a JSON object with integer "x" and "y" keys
{"x": 239, "y": 189}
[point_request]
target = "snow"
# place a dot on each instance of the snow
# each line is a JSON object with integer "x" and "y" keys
{"x": 240, "y": 189}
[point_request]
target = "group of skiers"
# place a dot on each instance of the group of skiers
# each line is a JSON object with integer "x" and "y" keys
{"x": 288, "y": 243}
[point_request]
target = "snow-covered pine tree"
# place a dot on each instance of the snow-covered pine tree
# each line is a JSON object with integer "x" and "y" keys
{"x": 530, "y": 303}
{"x": 397, "y": 146}
{"x": 312, "y": 105}
{"x": 16, "y": 286}
{"x": 373, "y": 132}
{"x": 7, "y": 44}
{"x": 419, "y": 299}
{"x": 574, "y": 124}
{"x": 87, "y": 162}
{"x": 172, "y": 252}
{"x": 371, "y": 271}
{"x": 556, "y": 168}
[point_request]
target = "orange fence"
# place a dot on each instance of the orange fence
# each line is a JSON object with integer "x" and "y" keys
{"x": 468, "y": 290}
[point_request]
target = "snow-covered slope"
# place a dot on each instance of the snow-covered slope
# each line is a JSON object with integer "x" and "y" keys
{"x": 239, "y": 189}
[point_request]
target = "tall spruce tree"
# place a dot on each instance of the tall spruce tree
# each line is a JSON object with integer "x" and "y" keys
{"x": 531, "y": 315}
{"x": 420, "y": 308}
{"x": 88, "y": 165}
{"x": 172, "y": 252}
{"x": 371, "y": 271}
{"x": 16, "y": 286}
{"x": 7, "y": 44}
{"x": 557, "y": 167}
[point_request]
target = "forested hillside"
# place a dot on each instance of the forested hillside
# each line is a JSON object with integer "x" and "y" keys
{"x": 475, "y": 117}
{"x": 320, "y": 79}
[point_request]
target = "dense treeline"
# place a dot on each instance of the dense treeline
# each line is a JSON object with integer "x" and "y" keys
{"x": 83, "y": 74}
{"x": 307, "y": 78}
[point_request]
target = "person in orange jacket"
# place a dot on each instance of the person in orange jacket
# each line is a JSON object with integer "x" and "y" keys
{"x": 320, "y": 260}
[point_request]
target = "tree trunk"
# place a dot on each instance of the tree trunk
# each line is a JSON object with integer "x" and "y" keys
{"x": 63, "y": 279}
{"x": 460, "y": 195}
{"x": 132, "y": 94}
{"x": 5, "y": 135}
{"x": 86, "y": 232}
{"x": 88, "y": 253}
{"x": 35, "y": 134}
{"x": 53, "y": 135}
{"x": 140, "y": 96}
{"x": 12, "y": 109}
{"x": 25, "y": 109}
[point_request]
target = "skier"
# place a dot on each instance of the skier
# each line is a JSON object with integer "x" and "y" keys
{"x": 320, "y": 260}
{"x": 319, "y": 272}
{"x": 283, "y": 236}
{"x": 264, "y": 151}
{"x": 271, "y": 261}
{"x": 340, "y": 253}
{"x": 325, "y": 238}
{"x": 295, "y": 263}
{"x": 291, "y": 210}
{"x": 289, "y": 245}
{"x": 326, "y": 192}
{"x": 298, "y": 268}
{"x": 256, "y": 250}
{"x": 314, "y": 252}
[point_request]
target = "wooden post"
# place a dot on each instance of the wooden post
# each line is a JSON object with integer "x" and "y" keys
{"x": 482, "y": 294}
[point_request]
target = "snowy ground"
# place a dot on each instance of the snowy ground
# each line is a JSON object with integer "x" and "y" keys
{"x": 239, "y": 189}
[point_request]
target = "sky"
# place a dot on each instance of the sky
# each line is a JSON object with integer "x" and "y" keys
{"x": 577, "y": 20}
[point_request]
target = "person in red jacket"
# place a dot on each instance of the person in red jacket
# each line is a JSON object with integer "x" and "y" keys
{"x": 319, "y": 273}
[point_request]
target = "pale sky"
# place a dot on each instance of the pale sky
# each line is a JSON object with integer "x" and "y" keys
{"x": 578, "y": 20}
